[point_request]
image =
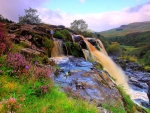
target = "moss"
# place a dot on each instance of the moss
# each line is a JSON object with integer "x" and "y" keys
{"x": 74, "y": 49}
{"x": 115, "y": 107}
{"x": 59, "y": 35}
{"x": 129, "y": 105}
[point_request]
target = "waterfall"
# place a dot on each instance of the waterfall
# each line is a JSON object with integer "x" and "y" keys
{"x": 87, "y": 54}
{"x": 57, "y": 50}
{"x": 101, "y": 46}
{"x": 108, "y": 64}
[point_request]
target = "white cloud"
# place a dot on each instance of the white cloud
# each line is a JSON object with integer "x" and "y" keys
{"x": 82, "y": 1}
{"x": 98, "y": 21}
{"x": 95, "y": 21}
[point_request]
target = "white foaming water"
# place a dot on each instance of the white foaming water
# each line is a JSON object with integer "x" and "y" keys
{"x": 102, "y": 48}
{"x": 138, "y": 97}
{"x": 59, "y": 60}
{"x": 109, "y": 65}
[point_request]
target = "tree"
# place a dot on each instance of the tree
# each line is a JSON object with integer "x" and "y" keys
{"x": 30, "y": 17}
{"x": 114, "y": 49}
{"x": 4, "y": 20}
{"x": 79, "y": 25}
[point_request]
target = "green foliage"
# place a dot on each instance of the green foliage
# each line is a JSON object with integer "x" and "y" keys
{"x": 141, "y": 53}
{"x": 115, "y": 107}
{"x": 48, "y": 44}
{"x": 87, "y": 34}
{"x": 30, "y": 17}
{"x": 63, "y": 34}
{"x": 5, "y": 20}
{"x": 57, "y": 34}
{"x": 32, "y": 98}
{"x": 42, "y": 42}
{"x": 98, "y": 66}
{"x": 74, "y": 49}
{"x": 130, "y": 58}
{"x": 37, "y": 40}
{"x": 127, "y": 29}
{"x": 147, "y": 58}
{"x": 137, "y": 39}
{"x": 79, "y": 26}
{"x": 114, "y": 49}
{"x": 23, "y": 44}
{"x": 67, "y": 36}
{"x": 128, "y": 103}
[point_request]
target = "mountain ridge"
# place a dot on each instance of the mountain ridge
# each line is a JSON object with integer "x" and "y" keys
{"x": 127, "y": 29}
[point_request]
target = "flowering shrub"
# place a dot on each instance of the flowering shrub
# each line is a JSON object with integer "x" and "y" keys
{"x": 43, "y": 81}
{"x": 5, "y": 43}
{"x": 17, "y": 62}
{"x": 2, "y": 47}
{"x": 41, "y": 73}
{"x": 40, "y": 88}
{"x": 44, "y": 89}
{"x": 11, "y": 105}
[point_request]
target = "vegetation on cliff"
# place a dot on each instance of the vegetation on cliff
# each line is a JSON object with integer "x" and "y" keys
{"x": 26, "y": 85}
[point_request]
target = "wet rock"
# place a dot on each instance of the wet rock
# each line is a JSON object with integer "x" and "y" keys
{"x": 30, "y": 52}
{"x": 91, "y": 83}
{"x": 125, "y": 64}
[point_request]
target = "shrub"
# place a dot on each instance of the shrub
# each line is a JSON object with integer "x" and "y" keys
{"x": 87, "y": 34}
{"x": 147, "y": 58}
{"x": 11, "y": 105}
{"x": 114, "y": 49}
{"x": 57, "y": 34}
{"x": 2, "y": 47}
{"x": 5, "y": 43}
{"x": 67, "y": 36}
{"x": 43, "y": 81}
{"x": 17, "y": 62}
{"x": 41, "y": 73}
{"x": 74, "y": 49}
{"x": 48, "y": 44}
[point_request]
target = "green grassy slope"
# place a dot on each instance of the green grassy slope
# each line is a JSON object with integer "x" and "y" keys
{"x": 127, "y": 29}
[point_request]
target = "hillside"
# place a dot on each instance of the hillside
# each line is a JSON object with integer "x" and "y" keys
{"x": 127, "y": 29}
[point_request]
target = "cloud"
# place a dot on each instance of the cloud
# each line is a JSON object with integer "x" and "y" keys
{"x": 13, "y": 8}
{"x": 98, "y": 21}
{"x": 82, "y": 1}
{"x": 95, "y": 21}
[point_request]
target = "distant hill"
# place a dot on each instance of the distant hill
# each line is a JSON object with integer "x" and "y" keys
{"x": 127, "y": 29}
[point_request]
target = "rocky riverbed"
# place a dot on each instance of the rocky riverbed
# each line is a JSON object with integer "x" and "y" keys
{"x": 81, "y": 77}
{"x": 137, "y": 79}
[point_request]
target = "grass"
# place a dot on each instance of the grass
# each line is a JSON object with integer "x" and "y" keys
{"x": 127, "y": 52}
{"x": 54, "y": 101}
{"x": 130, "y": 58}
{"x": 129, "y": 48}
{"x": 129, "y": 105}
{"x": 22, "y": 94}
{"x": 130, "y": 28}
{"x": 115, "y": 107}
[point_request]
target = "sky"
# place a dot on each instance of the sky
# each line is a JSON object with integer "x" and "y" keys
{"x": 100, "y": 15}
